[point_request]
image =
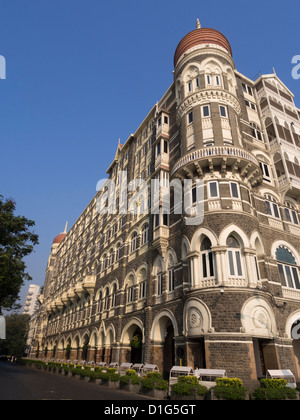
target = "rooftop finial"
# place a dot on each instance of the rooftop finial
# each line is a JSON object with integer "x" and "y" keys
{"x": 66, "y": 227}
{"x": 198, "y": 24}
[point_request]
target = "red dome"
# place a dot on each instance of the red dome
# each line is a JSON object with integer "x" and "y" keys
{"x": 201, "y": 36}
{"x": 59, "y": 238}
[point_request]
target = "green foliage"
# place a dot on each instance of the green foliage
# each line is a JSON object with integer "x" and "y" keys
{"x": 16, "y": 242}
{"x": 230, "y": 389}
{"x": 162, "y": 385}
{"x": 68, "y": 351}
{"x": 275, "y": 394}
{"x": 130, "y": 372}
{"x": 273, "y": 383}
{"x": 229, "y": 382}
{"x": 125, "y": 379}
{"x": 114, "y": 377}
{"x": 136, "y": 342}
{"x": 189, "y": 385}
{"x": 153, "y": 380}
{"x": 111, "y": 370}
{"x": 230, "y": 393}
{"x": 192, "y": 380}
{"x": 183, "y": 389}
{"x": 154, "y": 375}
{"x": 17, "y": 327}
{"x": 130, "y": 377}
{"x": 148, "y": 384}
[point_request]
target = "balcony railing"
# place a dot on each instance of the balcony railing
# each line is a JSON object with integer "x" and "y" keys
{"x": 214, "y": 151}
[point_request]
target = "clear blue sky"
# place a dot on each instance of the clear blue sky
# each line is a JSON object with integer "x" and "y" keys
{"x": 83, "y": 73}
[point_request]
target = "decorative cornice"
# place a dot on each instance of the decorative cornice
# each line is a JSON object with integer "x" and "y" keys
{"x": 208, "y": 95}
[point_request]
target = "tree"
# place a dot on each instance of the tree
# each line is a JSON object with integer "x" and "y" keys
{"x": 17, "y": 327}
{"x": 16, "y": 242}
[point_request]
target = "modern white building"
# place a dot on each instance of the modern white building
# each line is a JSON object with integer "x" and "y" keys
{"x": 31, "y": 302}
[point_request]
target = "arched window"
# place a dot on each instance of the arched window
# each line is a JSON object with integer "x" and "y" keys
{"x": 113, "y": 296}
{"x": 158, "y": 276}
{"x": 287, "y": 267}
{"x": 100, "y": 302}
{"x": 142, "y": 278}
{"x": 133, "y": 242}
{"x": 145, "y": 234}
{"x": 106, "y": 300}
{"x": 207, "y": 259}
{"x": 118, "y": 248}
{"x": 130, "y": 290}
{"x": 171, "y": 273}
{"x": 256, "y": 132}
{"x": 104, "y": 265}
{"x": 271, "y": 206}
{"x": 234, "y": 257}
{"x": 111, "y": 257}
{"x": 290, "y": 213}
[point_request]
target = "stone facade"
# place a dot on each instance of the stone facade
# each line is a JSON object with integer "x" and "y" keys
{"x": 223, "y": 293}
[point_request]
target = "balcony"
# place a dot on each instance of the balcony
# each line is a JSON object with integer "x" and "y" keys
{"x": 221, "y": 158}
{"x": 289, "y": 183}
{"x": 162, "y": 161}
{"x": 89, "y": 284}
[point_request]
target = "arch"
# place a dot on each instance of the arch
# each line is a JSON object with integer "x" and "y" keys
{"x": 159, "y": 325}
{"x": 213, "y": 65}
{"x": 199, "y": 236}
{"x": 235, "y": 231}
{"x": 185, "y": 248}
{"x": 258, "y": 318}
{"x": 197, "y": 318}
{"x": 257, "y": 243}
{"x": 191, "y": 71}
{"x": 281, "y": 243}
{"x": 158, "y": 265}
{"x": 170, "y": 259}
{"x": 129, "y": 330}
{"x": 130, "y": 279}
{"x": 110, "y": 336}
{"x": 291, "y": 320}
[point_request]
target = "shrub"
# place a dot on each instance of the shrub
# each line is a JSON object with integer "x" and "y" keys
{"x": 76, "y": 370}
{"x": 275, "y": 394}
{"x": 230, "y": 393}
{"x": 135, "y": 380}
{"x": 110, "y": 370}
{"x": 229, "y": 382}
{"x": 114, "y": 377}
{"x": 183, "y": 389}
{"x": 131, "y": 378}
{"x": 104, "y": 376}
{"x": 153, "y": 380}
{"x": 273, "y": 383}
{"x": 154, "y": 375}
{"x": 148, "y": 384}
{"x": 162, "y": 385}
{"x": 130, "y": 372}
{"x": 189, "y": 387}
{"x": 192, "y": 380}
{"x": 124, "y": 380}
{"x": 230, "y": 389}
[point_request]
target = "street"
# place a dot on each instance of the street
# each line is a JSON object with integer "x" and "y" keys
{"x": 23, "y": 383}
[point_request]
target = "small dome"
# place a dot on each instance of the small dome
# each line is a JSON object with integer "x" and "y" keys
{"x": 59, "y": 238}
{"x": 201, "y": 36}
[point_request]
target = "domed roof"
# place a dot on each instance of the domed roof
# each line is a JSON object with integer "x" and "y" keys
{"x": 59, "y": 238}
{"x": 201, "y": 36}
